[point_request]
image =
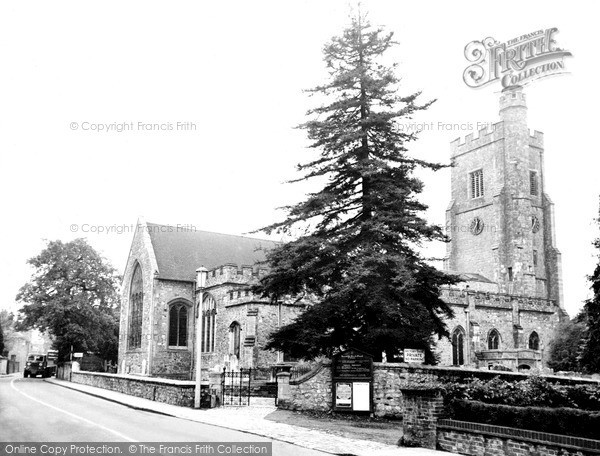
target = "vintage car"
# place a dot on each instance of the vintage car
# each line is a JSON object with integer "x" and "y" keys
{"x": 40, "y": 364}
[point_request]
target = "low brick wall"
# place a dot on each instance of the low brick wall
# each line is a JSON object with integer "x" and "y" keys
{"x": 479, "y": 439}
{"x": 174, "y": 392}
{"x": 422, "y": 409}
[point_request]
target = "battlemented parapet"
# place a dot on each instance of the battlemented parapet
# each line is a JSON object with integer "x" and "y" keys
{"x": 235, "y": 274}
{"x": 463, "y": 297}
{"x": 485, "y": 136}
{"x": 488, "y": 135}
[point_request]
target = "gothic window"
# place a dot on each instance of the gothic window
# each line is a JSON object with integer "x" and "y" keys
{"x": 136, "y": 308}
{"x": 235, "y": 335}
{"x": 493, "y": 340}
{"x": 476, "y": 183}
{"x": 535, "y": 258}
{"x": 458, "y": 347}
{"x": 533, "y": 183}
{"x": 209, "y": 318}
{"x": 534, "y": 341}
{"x": 178, "y": 325}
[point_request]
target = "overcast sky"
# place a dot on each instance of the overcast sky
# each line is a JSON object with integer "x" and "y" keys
{"x": 235, "y": 71}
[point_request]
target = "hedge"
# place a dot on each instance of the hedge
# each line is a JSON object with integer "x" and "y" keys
{"x": 535, "y": 392}
{"x": 565, "y": 421}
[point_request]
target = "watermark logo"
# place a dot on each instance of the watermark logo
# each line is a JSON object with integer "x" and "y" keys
{"x": 518, "y": 61}
{"x": 133, "y": 126}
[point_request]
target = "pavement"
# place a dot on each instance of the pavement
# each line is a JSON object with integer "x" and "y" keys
{"x": 251, "y": 419}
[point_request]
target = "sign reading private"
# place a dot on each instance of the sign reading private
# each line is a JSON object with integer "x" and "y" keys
{"x": 413, "y": 355}
{"x": 517, "y": 61}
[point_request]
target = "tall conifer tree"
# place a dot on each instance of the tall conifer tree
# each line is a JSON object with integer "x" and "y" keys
{"x": 590, "y": 358}
{"x": 357, "y": 258}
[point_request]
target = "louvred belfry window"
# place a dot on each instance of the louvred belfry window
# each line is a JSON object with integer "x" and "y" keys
{"x": 533, "y": 183}
{"x": 476, "y": 183}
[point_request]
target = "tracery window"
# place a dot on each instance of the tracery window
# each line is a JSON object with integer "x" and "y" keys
{"x": 136, "y": 308}
{"x": 178, "y": 325}
{"x": 458, "y": 347}
{"x": 534, "y": 341}
{"x": 235, "y": 335}
{"x": 493, "y": 340}
{"x": 209, "y": 317}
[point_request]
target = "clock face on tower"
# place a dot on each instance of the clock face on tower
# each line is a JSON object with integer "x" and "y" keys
{"x": 535, "y": 224}
{"x": 476, "y": 226}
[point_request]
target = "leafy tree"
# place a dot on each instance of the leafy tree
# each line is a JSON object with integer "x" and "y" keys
{"x": 590, "y": 358}
{"x": 72, "y": 295}
{"x": 566, "y": 346}
{"x": 357, "y": 256}
{"x": 1, "y": 341}
{"x": 6, "y": 331}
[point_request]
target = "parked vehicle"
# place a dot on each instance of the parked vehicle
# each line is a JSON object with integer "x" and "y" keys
{"x": 41, "y": 364}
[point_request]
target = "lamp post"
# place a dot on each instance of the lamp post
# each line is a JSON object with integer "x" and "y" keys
{"x": 201, "y": 274}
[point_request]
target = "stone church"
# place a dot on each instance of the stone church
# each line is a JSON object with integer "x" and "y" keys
{"x": 500, "y": 221}
{"x": 501, "y": 225}
{"x": 160, "y": 303}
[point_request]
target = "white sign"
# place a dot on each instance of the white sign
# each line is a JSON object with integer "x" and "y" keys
{"x": 343, "y": 394}
{"x": 361, "y": 393}
{"x": 78, "y": 355}
{"x": 412, "y": 355}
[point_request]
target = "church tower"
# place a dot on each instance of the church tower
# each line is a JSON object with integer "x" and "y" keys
{"x": 500, "y": 220}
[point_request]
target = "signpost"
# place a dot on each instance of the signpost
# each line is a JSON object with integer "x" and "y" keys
{"x": 352, "y": 382}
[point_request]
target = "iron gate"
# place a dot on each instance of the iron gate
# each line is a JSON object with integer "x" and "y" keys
{"x": 235, "y": 387}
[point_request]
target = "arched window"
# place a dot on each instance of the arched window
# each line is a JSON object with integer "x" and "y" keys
{"x": 178, "y": 325}
{"x": 458, "y": 347}
{"x": 235, "y": 335}
{"x": 136, "y": 308}
{"x": 493, "y": 340}
{"x": 534, "y": 341}
{"x": 209, "y": 316}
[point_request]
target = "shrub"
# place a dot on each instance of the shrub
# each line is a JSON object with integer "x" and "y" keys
{"x": 534, "y": 391}
{"x": 565, "y": 421}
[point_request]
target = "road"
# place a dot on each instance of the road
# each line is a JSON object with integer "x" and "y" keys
{"x": 32, "y": 410}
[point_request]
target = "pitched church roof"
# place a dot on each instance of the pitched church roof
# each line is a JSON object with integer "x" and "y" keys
{"x": 180, "y": 251}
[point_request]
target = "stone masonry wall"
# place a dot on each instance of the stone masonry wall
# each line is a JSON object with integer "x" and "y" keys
{"x": 501, "y": 312}
{"x": 313, "y": 390}
{"x": 172, "y": 361}
{"x": 172, "y": 392}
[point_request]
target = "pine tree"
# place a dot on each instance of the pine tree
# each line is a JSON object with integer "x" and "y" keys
{"x": 590, "y": 358}
{"x": 358, "y": 255}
